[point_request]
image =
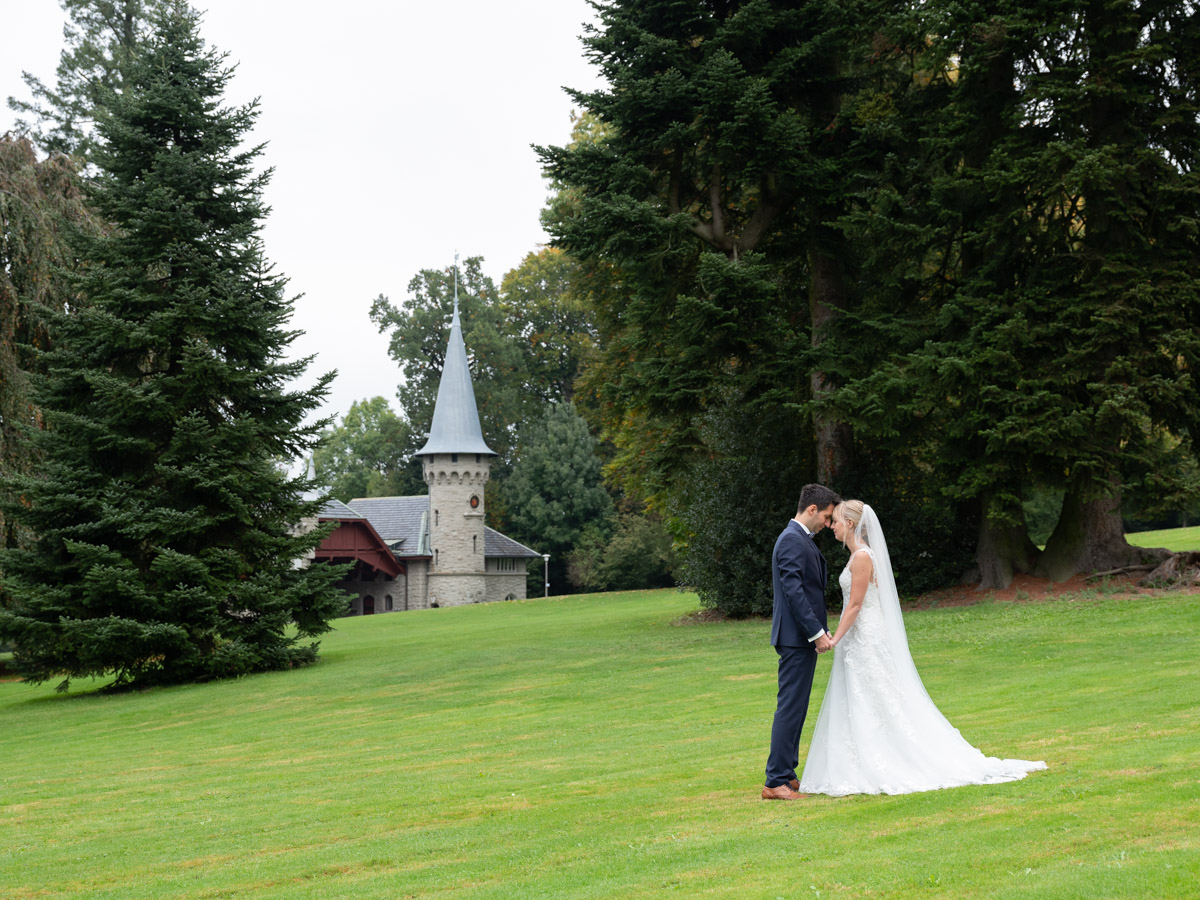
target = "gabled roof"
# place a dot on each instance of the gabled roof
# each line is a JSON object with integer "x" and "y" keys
{"x": 354, "y": 540}
{"x": 455, "y": 427}
{"x": 403, "y": 523}
{"x": 496, "y": 544}
{"x": 336, "y": 509}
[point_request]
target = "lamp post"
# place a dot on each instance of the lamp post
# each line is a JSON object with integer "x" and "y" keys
{"x": 546, "y": 569}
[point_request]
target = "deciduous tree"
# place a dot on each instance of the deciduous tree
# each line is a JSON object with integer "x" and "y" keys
{"x": 39, "y": 202}
{"x": 365, "y": 455}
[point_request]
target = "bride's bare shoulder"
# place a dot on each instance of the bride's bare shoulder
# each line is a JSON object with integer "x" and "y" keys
{"x": 860, "y": 561}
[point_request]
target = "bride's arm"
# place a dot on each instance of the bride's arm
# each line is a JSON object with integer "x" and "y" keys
{"x": 860, "y": 575}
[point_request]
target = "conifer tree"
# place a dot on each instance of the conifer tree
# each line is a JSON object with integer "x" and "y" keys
{"x": 1041, "y": 216}
{"x": 554, "y": 492}
{"x": 167, "y": 549}
{"x": 730, "y": 134}
{"x": 102, "y": 39}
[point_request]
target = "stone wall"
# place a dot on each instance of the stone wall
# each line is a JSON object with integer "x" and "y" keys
{"x": 457, "y": 589}
{"x": 379, "y": 589}
{"x": 418, "y": 583}
{"x": 502, "y": 587}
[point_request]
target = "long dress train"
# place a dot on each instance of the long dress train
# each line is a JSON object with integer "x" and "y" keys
{"x": 878, "y": 731}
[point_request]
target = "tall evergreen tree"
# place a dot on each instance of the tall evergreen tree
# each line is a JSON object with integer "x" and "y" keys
{"x": 166, "y": 547}
{"x": 102, "y": 38}
{"x": 1039, "y": 216}
{"x": 705, "y": 212}
{"x": 731, "y": 135}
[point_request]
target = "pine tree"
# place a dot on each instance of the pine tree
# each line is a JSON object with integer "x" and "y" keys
{"x": 728, "y": 136}
{"x": 166, "y": 546}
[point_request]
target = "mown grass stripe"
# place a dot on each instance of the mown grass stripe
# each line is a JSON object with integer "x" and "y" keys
{"x": 589, "y": 747}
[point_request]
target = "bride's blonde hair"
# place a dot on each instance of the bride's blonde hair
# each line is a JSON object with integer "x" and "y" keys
{"x": 850, "y": 512}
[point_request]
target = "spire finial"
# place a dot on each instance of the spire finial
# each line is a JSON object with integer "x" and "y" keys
{"x": 454, "y": 321}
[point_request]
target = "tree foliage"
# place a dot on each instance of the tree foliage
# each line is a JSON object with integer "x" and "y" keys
{"x": 526, "y": 343}
{"x": 165, "y": 549}
{"x": 1030, "y": 331}
{"x": 102, "y": 38}
{"x": 39, "y": 202}
{"x": 701, "y": 209}
{"x": 960, "y": 238}
{"x": 735, "y": 501}
{"x": 554, "y": 492}
{"x": 631, "y": 552}
{"x": 364, "y": 456}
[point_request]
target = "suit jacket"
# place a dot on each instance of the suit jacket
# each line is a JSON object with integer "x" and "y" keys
{"x": 799, "y": 574}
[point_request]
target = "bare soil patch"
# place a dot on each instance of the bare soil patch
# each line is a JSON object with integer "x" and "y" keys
{"x": 1029, "y": 589}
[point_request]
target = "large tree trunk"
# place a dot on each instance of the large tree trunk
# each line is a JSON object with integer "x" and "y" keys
{"x": 828, "y": 293}
{"x": 1089, "y": 536}
{"x": 1003, "y": 551}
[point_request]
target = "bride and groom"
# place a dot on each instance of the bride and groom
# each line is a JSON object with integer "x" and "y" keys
{"x": 878, "y": 731}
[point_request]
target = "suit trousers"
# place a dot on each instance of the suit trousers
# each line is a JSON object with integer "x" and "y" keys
{"x": 797, "y": 665}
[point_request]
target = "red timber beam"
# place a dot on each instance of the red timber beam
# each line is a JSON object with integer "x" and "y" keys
{"x": 357, "y": 539}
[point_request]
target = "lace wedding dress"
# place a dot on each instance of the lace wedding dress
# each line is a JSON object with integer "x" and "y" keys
{"x": 878, "y": 731}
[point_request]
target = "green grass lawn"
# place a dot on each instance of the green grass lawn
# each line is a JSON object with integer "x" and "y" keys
{"x": 587, "y": 747}
{"x": 1172, "y": 538}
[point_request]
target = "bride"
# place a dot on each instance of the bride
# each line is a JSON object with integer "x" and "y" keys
{"x": 878, "y": 731}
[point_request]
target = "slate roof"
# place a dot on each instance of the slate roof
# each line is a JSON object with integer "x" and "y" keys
{"x": 403, "y": 523}
{"x": 497, "y": 544}
{"x": 336, "y": 509}
{"x": 455, "y": 427}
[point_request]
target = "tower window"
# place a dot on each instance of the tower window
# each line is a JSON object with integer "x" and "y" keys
{"x": 475, "y": 543}
{"x": 478, "y": 458}
{"x": 453, "y": 457}
{"x": 435, "y": 517}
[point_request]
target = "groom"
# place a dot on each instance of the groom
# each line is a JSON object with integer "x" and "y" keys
{"x": 797, "y": 632}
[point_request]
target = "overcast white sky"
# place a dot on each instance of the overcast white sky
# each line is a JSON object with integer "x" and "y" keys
{"x": 399, "y": 132}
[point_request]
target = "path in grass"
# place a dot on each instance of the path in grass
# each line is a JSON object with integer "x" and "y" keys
{"x": 589, "y": 748}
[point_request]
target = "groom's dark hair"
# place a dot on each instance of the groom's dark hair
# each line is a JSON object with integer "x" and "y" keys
{"x": 817, "y": 495}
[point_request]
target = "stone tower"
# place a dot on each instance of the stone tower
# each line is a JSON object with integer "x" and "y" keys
{"x": 456, "y": 463}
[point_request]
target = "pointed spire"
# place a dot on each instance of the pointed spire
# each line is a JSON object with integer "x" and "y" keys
{"x": 454, "y": 323}
{"x": 455, "y": 427}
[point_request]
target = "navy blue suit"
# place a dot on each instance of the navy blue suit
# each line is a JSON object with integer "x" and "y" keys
{"x": 799, "y": 573}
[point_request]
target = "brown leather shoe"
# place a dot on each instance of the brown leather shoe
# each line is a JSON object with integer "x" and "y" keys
{"x": 781, "y": 792}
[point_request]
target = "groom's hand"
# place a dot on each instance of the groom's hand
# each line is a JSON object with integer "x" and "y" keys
{"x": 824, "y": 642}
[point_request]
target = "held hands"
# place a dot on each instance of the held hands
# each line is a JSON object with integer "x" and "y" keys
{"x": 823, "y": 643}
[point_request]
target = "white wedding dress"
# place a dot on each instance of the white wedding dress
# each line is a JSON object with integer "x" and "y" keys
{"x": 878, "y": 731}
